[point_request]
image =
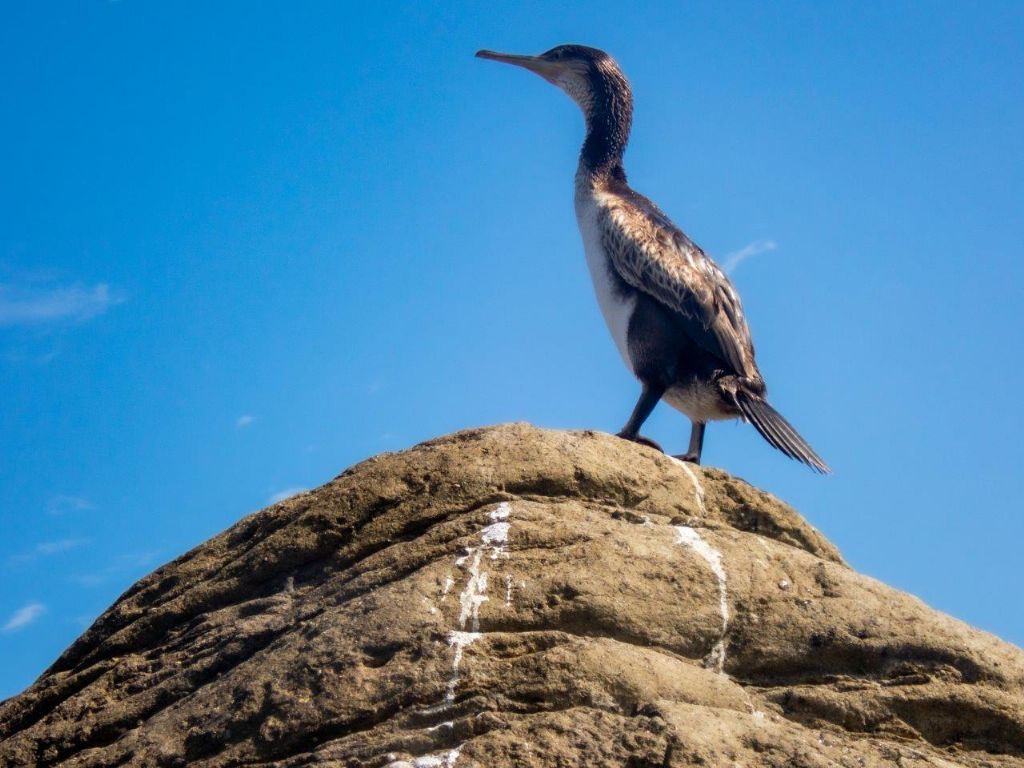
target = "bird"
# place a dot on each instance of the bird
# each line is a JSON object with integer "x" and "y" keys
{"x": 674, "y": 315}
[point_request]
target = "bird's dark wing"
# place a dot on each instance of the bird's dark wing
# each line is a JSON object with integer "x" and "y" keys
{"x": 654, "y": 256}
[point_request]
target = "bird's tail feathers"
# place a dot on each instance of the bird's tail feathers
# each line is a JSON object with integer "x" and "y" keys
{"x": 779, "y": 432}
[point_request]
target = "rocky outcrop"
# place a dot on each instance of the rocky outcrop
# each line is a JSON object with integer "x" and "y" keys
{"x": 519, "y": 597}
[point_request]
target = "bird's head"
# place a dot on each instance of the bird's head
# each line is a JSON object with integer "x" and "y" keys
{"x": 590, "y": 76}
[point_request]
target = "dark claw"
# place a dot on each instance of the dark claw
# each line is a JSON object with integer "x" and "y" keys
{"x": 642, "y": 440}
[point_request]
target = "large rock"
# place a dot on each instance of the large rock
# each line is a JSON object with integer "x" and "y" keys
{"x": 520, "y": 597}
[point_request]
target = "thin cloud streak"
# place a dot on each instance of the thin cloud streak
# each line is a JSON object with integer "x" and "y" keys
{"x": 23, "y": 617}
{"x": 62, "y": 504}
{"x": 45, "y": 549}
{"x": 61, "y": 545}
{"x": 127, "y": 563}
{"x": 36, "y": 305}
{"x": 732, "y": 261}
{"x": 287, "y": 493}
{"x": 244, "y": 421}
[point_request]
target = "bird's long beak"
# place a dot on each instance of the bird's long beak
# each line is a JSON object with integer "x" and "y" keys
{"x": 549, "y": 70}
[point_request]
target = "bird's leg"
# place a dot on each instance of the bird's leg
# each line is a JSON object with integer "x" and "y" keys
{"x": 696, "y": 443}
{"x": 649, "y": 397}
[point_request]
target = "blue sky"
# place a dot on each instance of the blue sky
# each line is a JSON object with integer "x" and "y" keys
{"x": 243, "y": 246}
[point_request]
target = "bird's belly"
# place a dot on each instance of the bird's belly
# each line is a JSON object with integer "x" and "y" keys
{"x": 617, "y": 310}
{"x": 699, "y": 400}
{"x": 616, "y": 305}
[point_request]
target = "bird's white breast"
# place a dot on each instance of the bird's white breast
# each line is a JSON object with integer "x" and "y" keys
{"x": 616, "y": 309}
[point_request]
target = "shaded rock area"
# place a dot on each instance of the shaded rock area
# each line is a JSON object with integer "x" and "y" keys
{"x": 520, "y": 597}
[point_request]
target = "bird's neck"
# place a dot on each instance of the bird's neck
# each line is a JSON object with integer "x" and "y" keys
{"x": 609, "y": 118}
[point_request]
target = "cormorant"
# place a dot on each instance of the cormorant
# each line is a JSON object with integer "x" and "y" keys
{"x": 674, "y": 315}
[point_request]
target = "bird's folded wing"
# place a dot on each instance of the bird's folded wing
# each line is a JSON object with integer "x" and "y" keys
{"x": 652, "y": 255}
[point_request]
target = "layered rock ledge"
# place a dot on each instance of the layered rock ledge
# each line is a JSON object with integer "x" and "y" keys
{"x": 520, "y": 597}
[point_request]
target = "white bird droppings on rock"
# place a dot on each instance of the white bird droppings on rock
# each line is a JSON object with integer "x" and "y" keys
{"x": 449, "y": 582}
{"x": 439, "y": 760}
{"x": 494, "y": 539}
{"x": 692, "y": 539}
{"x": 475, "y": 593}
{"x": 459, "y": 641}
{"x": 495, "y": 535}
{"x": 698, "y": 489}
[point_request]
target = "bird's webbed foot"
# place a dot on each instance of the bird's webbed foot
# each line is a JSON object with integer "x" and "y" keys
{"x": 642, "y": 440}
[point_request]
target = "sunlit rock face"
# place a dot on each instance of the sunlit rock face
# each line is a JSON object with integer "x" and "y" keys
{"x": 520, "y": 597}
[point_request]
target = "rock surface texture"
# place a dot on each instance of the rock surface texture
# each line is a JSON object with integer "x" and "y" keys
{"x": 520, "y": 597}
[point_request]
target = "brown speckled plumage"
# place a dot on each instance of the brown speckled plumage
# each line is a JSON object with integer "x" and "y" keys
{"x": 654, "y": 256}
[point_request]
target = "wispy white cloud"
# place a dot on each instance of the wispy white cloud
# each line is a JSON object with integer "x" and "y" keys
{"x": 34, "y": 304}
{"x": 131, "y": 560}
{"x": 732, "y": 261}
{"x": 285, "y": 494}
{"x": 45, "y": 549}
{"x": 24, "y": 616}
{"x": 60, "y": 545}
{"x": 61, "y": 505}
{"x": 122, "y": 565}
{"x": 91, "y": 579}
{"x": 244, "y": 421}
